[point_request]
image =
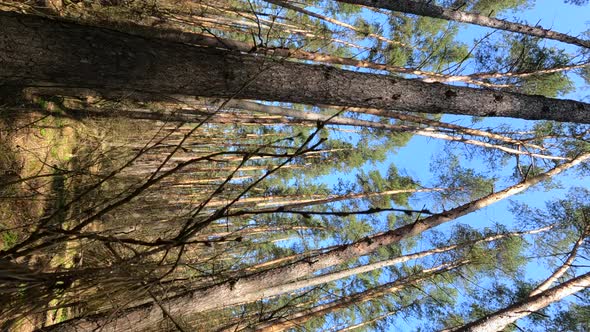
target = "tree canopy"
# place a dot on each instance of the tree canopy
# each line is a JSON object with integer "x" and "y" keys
{"x": 273, "y": 165}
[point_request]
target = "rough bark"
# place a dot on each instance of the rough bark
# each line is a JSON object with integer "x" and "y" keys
{"x": 319, "y": 57}
{"x": 251, "y": 287}
{"x": 500, "y": 319}
{"x": 42, "y": 52}
{"x": 425, "y": 8}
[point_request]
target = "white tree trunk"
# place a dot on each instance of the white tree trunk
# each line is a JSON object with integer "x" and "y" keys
{"x": 500, "y": 319}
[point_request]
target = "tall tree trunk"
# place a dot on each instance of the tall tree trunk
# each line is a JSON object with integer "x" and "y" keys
{"x": 303, "y": 316}
{"x": 428, "y": 132}
{"x": 425, "y": 8}
{"x": 334, "y": 276}
{"x": 367, "y": 322}
{"x": 500, "y": 319}
{"x": 40, "y": 52}
{"x": 251, "y": 287}
{"x": 319, "y": 57}
{"x": 439, "y": 124}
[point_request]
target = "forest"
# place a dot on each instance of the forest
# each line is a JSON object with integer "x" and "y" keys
{"x": 306, "y": 165}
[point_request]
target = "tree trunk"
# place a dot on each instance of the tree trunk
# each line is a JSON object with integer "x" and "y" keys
{"x": 561, "y": 270}
{"x": 334, "y": 276}
{"x": 303, "y": 316}
{"x": 42, "y": 52}
{"x": 427, "y": 132}
{"x": 355, "y": 327}
{"x": 425, "y": 8}
{"x": 500, "y": 319}
{"x": 251, "y": 287}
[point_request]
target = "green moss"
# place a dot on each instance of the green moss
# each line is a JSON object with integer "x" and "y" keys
{"x": 9, "y": 239}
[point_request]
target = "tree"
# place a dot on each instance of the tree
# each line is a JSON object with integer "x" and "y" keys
{"x": 499, "y": 320}
{"x": 151, "y": 208}
{"x": 252, "y": 287}
{"x": 161, "y": 67}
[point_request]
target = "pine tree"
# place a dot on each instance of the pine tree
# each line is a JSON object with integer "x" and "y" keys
{"x": 229, "y": 165}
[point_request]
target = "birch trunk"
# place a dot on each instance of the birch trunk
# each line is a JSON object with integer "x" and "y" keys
{"x": 42, "y": 52}
{"x": 285, "y": 4}
{"x": 427, "y": 132}
{"x": 500, "y": 319}
{"x": 330, "y": 277}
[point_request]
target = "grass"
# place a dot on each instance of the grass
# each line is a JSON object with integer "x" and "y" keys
{"x": 9, "y": 239}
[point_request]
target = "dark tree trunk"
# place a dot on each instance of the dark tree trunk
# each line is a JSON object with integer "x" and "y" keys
{"x": 37, "y": 51}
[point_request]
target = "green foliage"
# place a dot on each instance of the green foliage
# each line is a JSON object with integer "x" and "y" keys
{"x": 577, "y": 2}
{"x": 373, "y": 181}
{"x": 505, "y": 255}
{"x": 462, "y": 184}
{"x": 340, "y": 8}
{"x": 351, "y": 229}
{"x": 493, "y": 7}
{"x": 224, "y": 249}
{"x": 526, "y": 55}
{"x": 569, "y": 217}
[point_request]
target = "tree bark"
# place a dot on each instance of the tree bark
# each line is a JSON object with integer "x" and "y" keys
{"x": 334, "y": 276}
{"x": 38, "y": 51}
{"x": 500, "y": 319}
{"x": 427, "y": 132}
{"x": 425, "y": 8}
{"x": 251, "y": 287}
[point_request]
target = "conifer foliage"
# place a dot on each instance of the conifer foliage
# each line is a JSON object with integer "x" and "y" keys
{"x": 274, "y": 165}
